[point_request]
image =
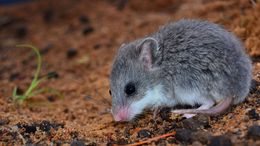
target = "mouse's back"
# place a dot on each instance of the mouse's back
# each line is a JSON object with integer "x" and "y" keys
{"x": 204, "y": 56}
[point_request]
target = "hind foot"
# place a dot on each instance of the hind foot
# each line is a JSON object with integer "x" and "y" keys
{"x": 187, "y": 112}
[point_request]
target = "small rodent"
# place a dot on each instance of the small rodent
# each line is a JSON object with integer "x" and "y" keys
{"x": 187, "y": 62}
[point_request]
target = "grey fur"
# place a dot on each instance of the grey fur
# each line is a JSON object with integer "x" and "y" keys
{"x": 192, "y": 55}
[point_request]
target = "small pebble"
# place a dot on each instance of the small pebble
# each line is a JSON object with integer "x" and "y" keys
{"x": 121, "y": 141}
{"x": 87, "y": 30}
{"x": 196, "y": 122}
{"x": 97, "y": 46}
{"x": 83, "y": 19}
{"x": 87, "y": 97}
{"x": 258, "y": 100}
{"x": 161, "y": 142}
{"x": 51, "y": 98}
{"x": 183, "y": 135}
{"x": 53, "y": 75}
{"x": 74, "y": 134}
{"x": 48, "y": 15}
{"x": 171, "y": 140}
{"x": 253, "y": 114}
{"x": 253, "y": 86}
{"x": 201, "y": 136}
{"x": 255, "y": 58}
{"x": 28, "y": 128}
{"x": 19, "y": 91}
{"x": 66, "y": 110}
{"x": 121, "y": 4}
{"x": 45, "y": 126}
{"x": 220, "y": 141}
{"x": 77, "y": 143}
{"x": 110, "y": 143}
{"x": 58, "y": 143}
{"x": 46, "y": 48}
{"x": 171, "y": 127}
{"x": 72, "y": 117}
{"x": 71, "y": 52}
{"x": 165, "y": 114}
{"x": 254, "y": 132}
{"x": 14, "y": 76}
{"x": 4, "y": 121}
{"x": 5, "y": 21}
{"x": 21, "y": 31}
{"x": 144, "y": 134}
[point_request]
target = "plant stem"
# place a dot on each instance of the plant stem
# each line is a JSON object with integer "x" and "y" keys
{"x": 35, "y": 81}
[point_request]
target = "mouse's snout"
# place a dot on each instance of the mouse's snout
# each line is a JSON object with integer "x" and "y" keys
{"x": 123, "y": 114}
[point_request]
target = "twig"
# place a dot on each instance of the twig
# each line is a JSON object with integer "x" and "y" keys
{"x": 121, "y": 4}
{"x": 152, "y": 139}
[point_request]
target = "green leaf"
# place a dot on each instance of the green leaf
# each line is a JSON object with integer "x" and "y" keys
{"x": 32, "y": 89}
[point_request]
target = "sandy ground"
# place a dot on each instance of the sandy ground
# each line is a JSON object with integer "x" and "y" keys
{"x": 78, "y": 41}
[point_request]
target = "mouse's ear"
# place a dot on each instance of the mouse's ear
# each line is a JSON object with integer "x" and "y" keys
{"x": 148, "y": 48}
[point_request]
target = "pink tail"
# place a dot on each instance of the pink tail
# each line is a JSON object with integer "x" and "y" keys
{"x": 218, "y": 109}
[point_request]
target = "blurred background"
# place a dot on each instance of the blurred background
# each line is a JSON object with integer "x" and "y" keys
{"x": 78, "y": 40}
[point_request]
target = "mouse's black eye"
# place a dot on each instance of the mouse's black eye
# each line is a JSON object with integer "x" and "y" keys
{"x": 110, "y": 93}
{"x": 130, "y": 89}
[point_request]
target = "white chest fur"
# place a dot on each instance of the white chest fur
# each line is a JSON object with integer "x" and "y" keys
{"x": 186, "y": 96}
{"x": 155, "y": 97}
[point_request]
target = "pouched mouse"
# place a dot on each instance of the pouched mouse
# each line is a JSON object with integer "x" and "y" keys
{"x": 187, "y": 62}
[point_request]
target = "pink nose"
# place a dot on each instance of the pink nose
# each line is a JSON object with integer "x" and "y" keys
{"x": 122, "y": 115}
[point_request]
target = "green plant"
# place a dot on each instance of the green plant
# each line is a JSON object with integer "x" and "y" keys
{"x": 33, "y": 88}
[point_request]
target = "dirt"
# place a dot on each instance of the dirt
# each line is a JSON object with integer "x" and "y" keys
{"x": 78, "y": 41}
